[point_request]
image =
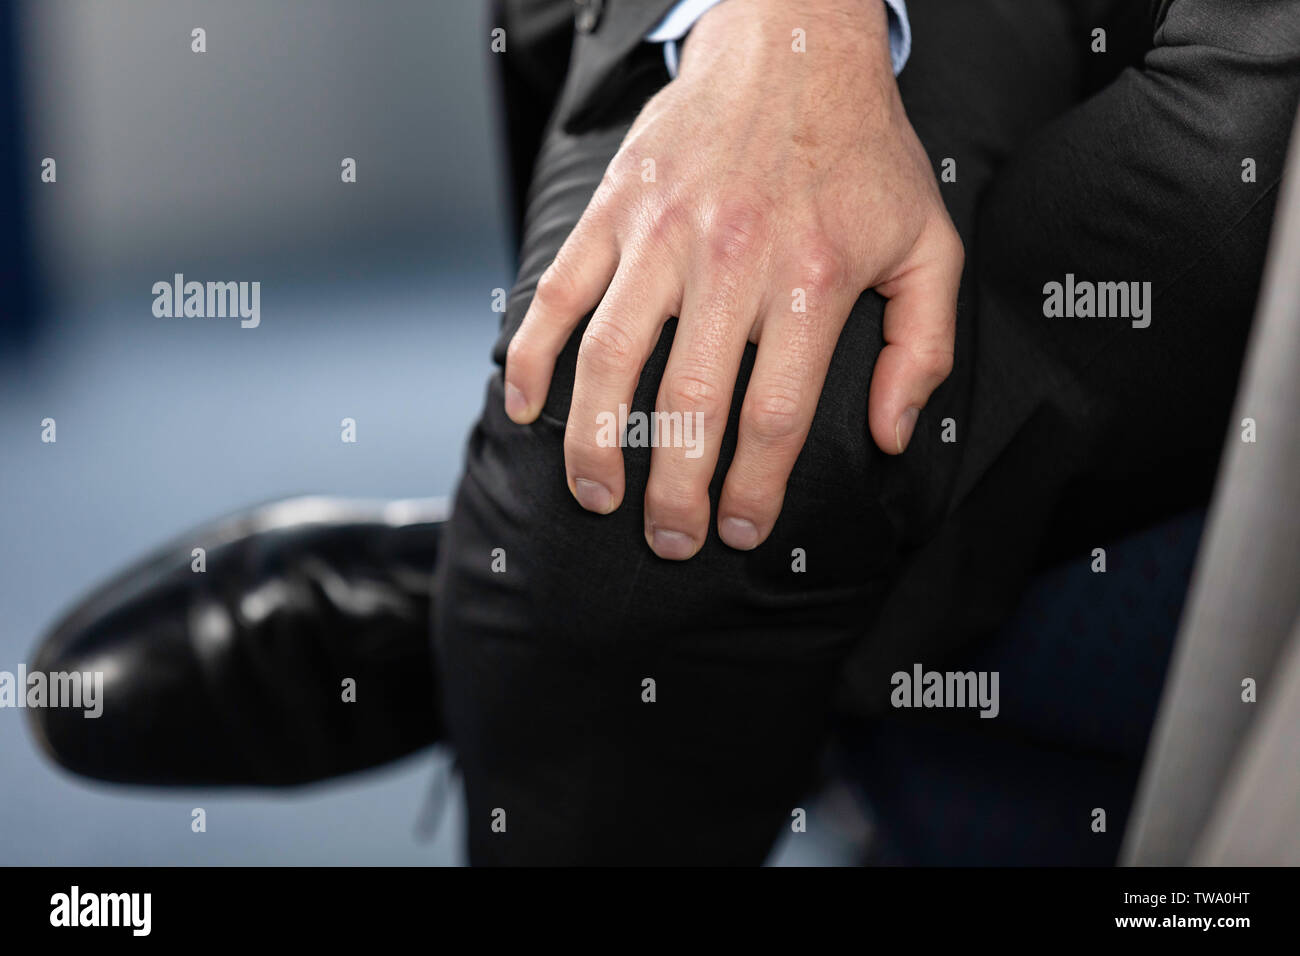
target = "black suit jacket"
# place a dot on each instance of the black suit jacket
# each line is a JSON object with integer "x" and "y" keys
{"x": 604, "y": 63}
{"x": 607, "y": 34}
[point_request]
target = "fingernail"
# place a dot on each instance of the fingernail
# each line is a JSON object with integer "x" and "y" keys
{"x": 516, "y": 404}
{"x": 672, "y": 545}
{"x": 592, "y": 495}
{"x": 906, "y": 425}
{"x": 738, "y": 533}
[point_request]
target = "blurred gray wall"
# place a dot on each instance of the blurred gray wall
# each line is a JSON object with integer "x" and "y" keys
{"x": 231, "y": 158}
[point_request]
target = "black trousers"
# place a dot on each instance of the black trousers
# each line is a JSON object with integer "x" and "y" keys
{"x": 610, "y": 707}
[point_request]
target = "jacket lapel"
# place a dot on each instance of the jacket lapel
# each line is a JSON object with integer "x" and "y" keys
{"x": 603, "y": 65}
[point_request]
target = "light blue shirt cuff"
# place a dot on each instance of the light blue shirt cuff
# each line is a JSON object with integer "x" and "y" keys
{"x": 679, "y": 20}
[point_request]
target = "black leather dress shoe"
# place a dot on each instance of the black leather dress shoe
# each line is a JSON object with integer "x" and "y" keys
{"x": 236, "y": 675}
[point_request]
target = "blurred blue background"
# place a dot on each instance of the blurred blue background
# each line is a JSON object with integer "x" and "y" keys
{"x": 375, "y": 304}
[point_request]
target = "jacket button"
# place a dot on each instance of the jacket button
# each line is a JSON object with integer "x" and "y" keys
{"x": 588, "y": 14}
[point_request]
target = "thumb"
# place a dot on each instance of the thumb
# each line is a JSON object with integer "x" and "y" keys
{"x": 920, "y": 330}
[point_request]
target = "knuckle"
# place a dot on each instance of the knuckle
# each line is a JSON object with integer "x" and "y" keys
{"x": 612, "y": 181}
{"x": 620, "y": 170}
{"x": 608, "y": 346}
{"x": 772, "y": 417}
{"x": 736, "y": 233}
{"x": 823, "y": 267}
{"x": 937, "y": 362}
{"x": 692, "y": 391}
{"x": 557, "y": 289}
{"x": 518, "y": 353}
{"x": 669, "y": 500}
{"x": 663, "y": 224}
{"x": 950, "y": 245}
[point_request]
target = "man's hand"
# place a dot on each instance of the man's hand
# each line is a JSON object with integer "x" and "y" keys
{"x": 755, "y": 197}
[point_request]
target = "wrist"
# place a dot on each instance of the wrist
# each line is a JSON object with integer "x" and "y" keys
{"x": 739, "y": 33}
